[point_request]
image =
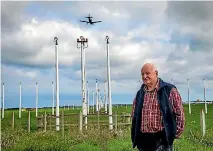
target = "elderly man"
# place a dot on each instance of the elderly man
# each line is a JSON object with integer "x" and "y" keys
{"x": 157, "y": 114}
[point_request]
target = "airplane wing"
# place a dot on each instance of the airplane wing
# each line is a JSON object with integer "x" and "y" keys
{"x": 83, "y": 21}
{"x": 96, "y": 21}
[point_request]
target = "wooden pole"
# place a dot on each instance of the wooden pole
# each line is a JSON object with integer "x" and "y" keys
{"x": 13, "y": 120}
{"x": 45, "y": 121}
{"x": 50, "y": 119}
{"x": 29, "y": 121}
{"x": 116, "y": 123}
{"x": 98, "y": 121}
{"x": 62, "y": 124}
{"x": 80, "y": 122}
{"x": 202, "y": 122}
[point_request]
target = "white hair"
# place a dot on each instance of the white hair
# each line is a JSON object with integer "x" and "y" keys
{"x": 153, "y": 66}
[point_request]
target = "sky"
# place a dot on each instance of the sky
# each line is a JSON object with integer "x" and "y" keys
{"x": 175, "y": 36}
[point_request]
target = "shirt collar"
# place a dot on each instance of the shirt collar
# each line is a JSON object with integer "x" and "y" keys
{"x": 156, "y": 87}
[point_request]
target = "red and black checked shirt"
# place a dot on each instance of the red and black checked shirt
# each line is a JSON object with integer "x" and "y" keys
{"x": 151, "y": 116}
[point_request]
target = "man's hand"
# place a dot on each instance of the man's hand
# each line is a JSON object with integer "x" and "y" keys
{"x": 178, "y": 110}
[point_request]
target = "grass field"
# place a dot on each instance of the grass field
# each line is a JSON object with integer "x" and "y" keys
{"x": 93, "y": 139}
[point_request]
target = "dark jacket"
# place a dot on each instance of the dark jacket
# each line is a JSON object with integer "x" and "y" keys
{"x": 165, "y": 108}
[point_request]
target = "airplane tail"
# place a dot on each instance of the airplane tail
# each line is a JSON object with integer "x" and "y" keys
{"x": 89, "y": 16}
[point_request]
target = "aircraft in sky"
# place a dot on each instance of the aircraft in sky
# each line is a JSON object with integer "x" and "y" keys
{"x": 90, "y": 20}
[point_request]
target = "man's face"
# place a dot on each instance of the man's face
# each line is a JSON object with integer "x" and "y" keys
{"x": 149, "y": 76}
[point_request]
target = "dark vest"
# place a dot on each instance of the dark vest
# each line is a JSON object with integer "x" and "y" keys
{"x": 169, "y": 121}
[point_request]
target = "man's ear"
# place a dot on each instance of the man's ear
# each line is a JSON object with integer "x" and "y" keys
{"x": 156, "y": 73}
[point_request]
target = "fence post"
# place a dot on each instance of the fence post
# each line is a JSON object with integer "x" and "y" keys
{"x": 98, "y": 121}
{"x": 62, "y": 124}
{"x": 202, "y": 122}
{"x": 80, "y": 122}
{"x": 116, "y": 123}
{"x": 40, "y": 121}
{"x": 45, "y": 121}
{"x": 13, "y": 120}
{"x": 29, "y": 121}
{"x": 127, "y": 120}
{"x": 50, "y": 119}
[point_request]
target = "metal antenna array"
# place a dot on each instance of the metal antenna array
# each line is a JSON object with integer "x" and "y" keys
{"x": 83, "y": 44}
{"x": 57, "y": 85}
{"x": 109, "y": 85}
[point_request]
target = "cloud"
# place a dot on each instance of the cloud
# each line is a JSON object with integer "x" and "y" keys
{"x": 12, "y": 15}
{"x": 33, "y": 44}
{"x": 115, "y": 17}
{"x": 190, "y": 12}
{"x": 29, "y": 74}
{"x": 139, "y": 32}
{"x": 153, "y": 32}
{"x": 194, "y": 21}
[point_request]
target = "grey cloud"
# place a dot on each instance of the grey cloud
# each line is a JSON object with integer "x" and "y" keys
{"x": 191, "y": 13}
{"x": 14, "y": 51}
{"x": 32, "y": 47}
{"x": 121, "y": 68}
{"x": 113, "y": 14}
{"x": 12, "y": 15}
{"x": 195, "y": 65}
{"x": 193, "y": 22}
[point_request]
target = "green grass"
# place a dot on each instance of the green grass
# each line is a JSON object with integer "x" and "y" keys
{"x": 93, "y": 139}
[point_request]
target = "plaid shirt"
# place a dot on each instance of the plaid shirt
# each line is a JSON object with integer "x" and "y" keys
{"x": 151, "y": 116}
